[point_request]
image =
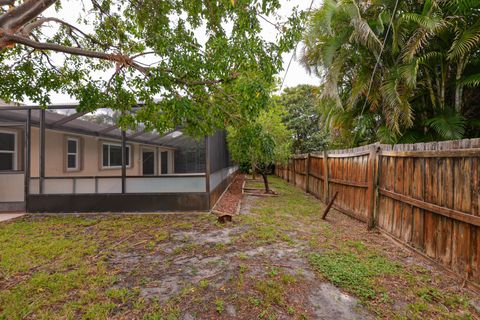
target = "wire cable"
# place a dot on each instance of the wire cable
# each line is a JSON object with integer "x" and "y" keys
{"x": 293, "y": 53}
{"x": 379, "y": 56}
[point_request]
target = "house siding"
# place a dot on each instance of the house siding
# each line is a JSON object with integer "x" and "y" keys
{"x": 90, "y": 155}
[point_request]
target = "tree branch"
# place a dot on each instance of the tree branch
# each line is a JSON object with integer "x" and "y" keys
{"x": 22, "y": 14}
{"x": 27, "y": 30}
{"x": 119, "y": 58}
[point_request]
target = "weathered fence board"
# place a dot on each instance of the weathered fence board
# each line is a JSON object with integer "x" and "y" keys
{"x": 426, "y": 195}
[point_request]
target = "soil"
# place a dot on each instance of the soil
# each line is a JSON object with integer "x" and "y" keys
{"x": 230, "y": 200}
{"x": 259, "y": 192}
{"x": 231, "y": 268}
{"x": 207, "y": 268}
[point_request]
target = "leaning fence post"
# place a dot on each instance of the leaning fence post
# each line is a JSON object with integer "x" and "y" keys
{"x": 325, "y": 176}
{"x": 372, "y": 160}
{"x": 307, "y": 173}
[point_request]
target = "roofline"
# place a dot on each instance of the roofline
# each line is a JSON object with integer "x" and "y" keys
{"x": 85, "y": 133}
{"x": 66, "y": 119}
{"x": 50, "y": 107}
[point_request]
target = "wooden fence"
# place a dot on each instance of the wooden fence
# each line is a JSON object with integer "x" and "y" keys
{"x": 425, "y": 195}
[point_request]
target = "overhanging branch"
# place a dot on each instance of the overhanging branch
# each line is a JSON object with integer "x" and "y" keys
{"x": 23, "y": 13}
{"x": 119, "y": 58}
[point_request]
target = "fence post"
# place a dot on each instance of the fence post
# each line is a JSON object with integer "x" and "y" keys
{"x": 371, "y": 170}
{"x": 294, "y": 173}
{"x": 307, "y": 173}
{"x": 325, "y": 176}
{"x": 288, "y": 170}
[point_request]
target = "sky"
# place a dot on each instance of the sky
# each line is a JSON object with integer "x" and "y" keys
{"x": 296, "y": 73}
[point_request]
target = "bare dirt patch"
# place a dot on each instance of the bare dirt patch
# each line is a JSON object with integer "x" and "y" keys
{"x": 225, "y": 273}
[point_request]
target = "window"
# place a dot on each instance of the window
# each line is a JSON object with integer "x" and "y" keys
{"x": 112, "y": 155}
{"x": 72, "y": 154}
{"x": 164, "y": 162}
{"x": 8, "y": 154}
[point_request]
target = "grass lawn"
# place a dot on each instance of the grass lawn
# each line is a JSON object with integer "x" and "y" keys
{"x": 277, "y": 260}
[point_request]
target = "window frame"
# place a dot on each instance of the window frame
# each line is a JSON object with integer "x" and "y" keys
{"x": 162, "y": 152}
{"x": 129, "y": 153}
{"x": 15, "y": 149}
{"x": 77, "y": 154}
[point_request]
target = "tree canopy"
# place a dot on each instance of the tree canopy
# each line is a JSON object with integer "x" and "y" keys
{"x": 303, "y": 118}
{"x": 199, "y": 64}
{"x": 261, "y": 143}
{"x": 426, "y": 84}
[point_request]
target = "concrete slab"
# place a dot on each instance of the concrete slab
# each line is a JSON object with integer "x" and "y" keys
{"x": 10, "y": 216}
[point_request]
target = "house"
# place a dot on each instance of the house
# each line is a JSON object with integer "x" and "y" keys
{"x": 54, "y": 162}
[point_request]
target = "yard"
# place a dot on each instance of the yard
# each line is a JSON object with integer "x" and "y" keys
{"x": 277, "y": 260}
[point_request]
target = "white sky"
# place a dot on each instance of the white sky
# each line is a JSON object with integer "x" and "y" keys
{"x": 296, "y": 74}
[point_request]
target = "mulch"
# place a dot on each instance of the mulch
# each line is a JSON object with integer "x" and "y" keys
{"x": 230, "y": 200}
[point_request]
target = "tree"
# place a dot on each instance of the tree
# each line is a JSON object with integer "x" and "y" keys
{"x": 262, "y": 143}
{"x": 426, "y": 84}
{"x": 302, "y": 117}
{"x": 153, "y": 54}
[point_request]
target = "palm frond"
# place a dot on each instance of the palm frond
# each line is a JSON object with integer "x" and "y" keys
{"x": 466, "y": 40}
{"x": 462, "y": 6}
{"x": 448, "y": 125}
{"x": 409, "y": 72}
{"x": 359, "y": 87}
{"x": 419, "y": 40}
{"x": 397, "y": 110}
{"x": 429, "y": 23}
{"x": 364, "y": 35}
{"x": 386, "y": 135}
{"x": 471, "y": 80}
{"x": 431, "y": 57}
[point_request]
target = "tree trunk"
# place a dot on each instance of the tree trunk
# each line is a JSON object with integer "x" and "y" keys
{"x": 253, "y": 172}
{"x": 458, "y": 86}
{"x": 265, "y": 182}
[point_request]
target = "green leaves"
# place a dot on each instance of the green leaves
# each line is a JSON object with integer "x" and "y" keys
{"x": 261, "y": 142}
{"x": 466, "y": 40}
{"x": 448, "y": 125}
{"x": 198, "y": 64}
{"x": 471, "y": 80}
{"x": 429, "y": 63}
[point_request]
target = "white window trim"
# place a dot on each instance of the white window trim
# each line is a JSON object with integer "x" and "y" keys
{"x": 15, "y": 151}
{"x": 117, "y": 145}
{"x": 77, "y": 154}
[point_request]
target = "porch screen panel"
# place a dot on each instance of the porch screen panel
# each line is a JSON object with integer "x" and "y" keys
{"x": 58, "y": 186}
{"x": 109, "y": 185}
{"x": 85, "y": 186}
{"x": 166, "y": 184}
{"x": 219, "y": 155}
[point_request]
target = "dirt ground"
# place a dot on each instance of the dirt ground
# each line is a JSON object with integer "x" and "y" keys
{"x": 276, "y": 260}
{"x": 229, "y": 270}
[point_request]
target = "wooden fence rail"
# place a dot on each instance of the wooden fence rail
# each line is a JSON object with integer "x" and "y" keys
{"x": 424, "y": 195}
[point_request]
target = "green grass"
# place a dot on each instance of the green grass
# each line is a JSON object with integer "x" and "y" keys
{"x": 352, "y": 271}
{"x": 53, "y": 267}
{"x": 57, "y": 267}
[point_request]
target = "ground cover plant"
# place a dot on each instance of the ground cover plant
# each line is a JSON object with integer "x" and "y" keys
{"x": 278, "y": 259}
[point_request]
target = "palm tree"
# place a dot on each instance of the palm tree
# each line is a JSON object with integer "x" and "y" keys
{"x": 430, "y": 56}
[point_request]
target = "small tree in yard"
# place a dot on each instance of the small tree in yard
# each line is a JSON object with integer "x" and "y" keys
{"x": 261, "y": 143}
